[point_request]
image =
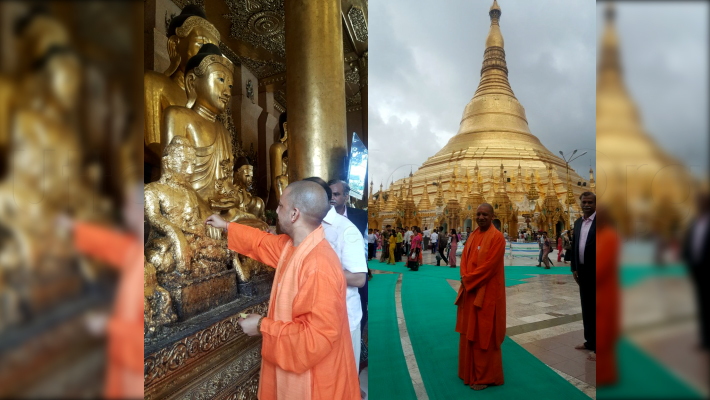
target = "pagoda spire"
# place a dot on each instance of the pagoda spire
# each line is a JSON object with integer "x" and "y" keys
{"x": 592, "y": 182}
{"x": 369, "y": 195}
{"x": 494, "y": 72}
{"x": 381, "y": 198}
{"x": 424, "y": 203}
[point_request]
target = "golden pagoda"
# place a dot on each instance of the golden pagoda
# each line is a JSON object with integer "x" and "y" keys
{"x": 493, "y": 135}
{"x": 637, "y": 176}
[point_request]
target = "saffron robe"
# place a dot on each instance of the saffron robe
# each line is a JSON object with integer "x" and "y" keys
{"x": 480, "y": 317}
{"x": 124, "y": 373}
{"x": 607, "y": 304}
{"x": 307, "y": 352}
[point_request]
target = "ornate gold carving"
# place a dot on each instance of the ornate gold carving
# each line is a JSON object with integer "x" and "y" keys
{"x": 359, "y": 23}
{"x": 352, "y": 76}
{"x": 247, "y": 390}
{"x": 354, "y": 100}
{"x": 227, "y": 376}
{"x": 259, "y": 23}
{"x": 181, "y": 354}
{"x": 194, "y": 21}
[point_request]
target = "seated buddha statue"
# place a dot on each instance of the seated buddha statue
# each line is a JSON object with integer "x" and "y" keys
{"x": 244, "y": 176}
{"x": 187, "y": 33}
{"x": 179, "y": 240}
{"x": 209, "y": 83}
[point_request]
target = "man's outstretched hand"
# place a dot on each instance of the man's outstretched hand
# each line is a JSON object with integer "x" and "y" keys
{"x": 249, "y": 324}
{"x": 216, "y": 221}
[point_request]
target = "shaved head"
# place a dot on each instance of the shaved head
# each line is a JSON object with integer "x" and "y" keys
{"x": 310, "y": 199}
{"x": 486, "y": 205}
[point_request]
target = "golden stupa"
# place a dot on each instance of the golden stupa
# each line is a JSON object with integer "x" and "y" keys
{"x": 648, "y": 191}
{"x": 493, "y": 156}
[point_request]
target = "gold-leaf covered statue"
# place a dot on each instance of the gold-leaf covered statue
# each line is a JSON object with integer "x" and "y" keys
{"x": 179, "y": 239}
{"x": 157, "y": 305}
{"x": 187, "y": 33}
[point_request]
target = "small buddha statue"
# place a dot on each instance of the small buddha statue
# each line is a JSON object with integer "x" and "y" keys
{"x": 187, "y": 33}
{"x": 157, "y": 305}
{"x": 278, "y": 157}
{"x": 244, "y": 176}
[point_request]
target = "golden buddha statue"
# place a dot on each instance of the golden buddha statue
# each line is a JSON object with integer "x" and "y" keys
{"x": 209, "y": 83}
{"x": 157, "y": 305}
{"x": 278, "y": 157}
{"x": 244, "y": 176}
{"x": 179, "y": 240}
{"x": 37, "y": 32}
{"x": 187, "y": 33}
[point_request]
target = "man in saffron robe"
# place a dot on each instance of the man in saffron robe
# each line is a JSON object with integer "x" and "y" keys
{"x": 607, "y": 298}
{"x": 123, "y": 251}
{"x": 480, "y": 317}
{"x": 307, "y": 352}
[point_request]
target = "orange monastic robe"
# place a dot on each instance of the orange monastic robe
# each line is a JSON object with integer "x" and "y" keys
{"x": 480, "y": 317}
{"x": 125, "y": 327}
{"x": 607, "y": 304}
{"x": 307, "y": 352}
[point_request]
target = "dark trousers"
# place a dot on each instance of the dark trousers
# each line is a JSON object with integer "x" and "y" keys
{"x": 443, "y": 257}
{"x": 363, "y": 303}
{"x": 539, "y": 257}
{"x": 398, "y": 252}
{"x": 370, "y": 251}
{"x": 426, "y": 244}
{"x": 588, "y": 295}
{"x": 433, "y": 247}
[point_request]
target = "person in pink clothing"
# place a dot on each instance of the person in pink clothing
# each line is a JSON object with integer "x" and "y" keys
{"x": 454, "y": 247}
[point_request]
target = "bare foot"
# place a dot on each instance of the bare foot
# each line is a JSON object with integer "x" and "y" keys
{"x": 592, "y": 357}
{"x": 478, "y": 387}
{"x": 580, "y": 347}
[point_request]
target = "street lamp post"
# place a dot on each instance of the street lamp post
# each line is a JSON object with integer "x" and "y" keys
{"x": 569, "y": 202}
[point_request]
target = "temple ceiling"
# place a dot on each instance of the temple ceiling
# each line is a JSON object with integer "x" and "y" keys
{"x": 253, "y": 35}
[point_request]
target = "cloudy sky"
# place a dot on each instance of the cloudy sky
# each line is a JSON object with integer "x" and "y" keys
{"x": 425, "y": 60}
{"x": 666, "y": 71}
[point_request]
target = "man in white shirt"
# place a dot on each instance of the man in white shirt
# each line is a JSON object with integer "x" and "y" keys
{"x": 347, "y": 241}
{"x": 427, "y": 237}
{"x": 408, "y": 239}
{"x": 370, "y": 244}
{"x": 434, "y": 241}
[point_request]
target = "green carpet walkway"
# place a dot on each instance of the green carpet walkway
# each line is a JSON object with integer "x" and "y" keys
{"x": 514, "y": 275}
{"x": 642, "y": 377}
{"x": 431, "y": 316}
{"x": 388, "y": 376}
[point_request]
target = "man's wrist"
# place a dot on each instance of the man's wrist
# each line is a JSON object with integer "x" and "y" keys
{"x": 258, "y": 324}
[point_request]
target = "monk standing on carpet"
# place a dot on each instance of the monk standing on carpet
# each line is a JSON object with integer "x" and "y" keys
{"x": 307, "y": 352}
{"x": 480, "y": 317}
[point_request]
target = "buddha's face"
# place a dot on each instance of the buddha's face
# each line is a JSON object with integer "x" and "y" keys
{"x": 63, "y": 74}
{"x": 182, "y": 163}
{"x": 214, "y": 88}
{"x": 245, "y": 174}
{"x": 189, "y": 45}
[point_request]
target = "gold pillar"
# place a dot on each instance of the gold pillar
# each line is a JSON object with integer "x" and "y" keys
{"x": 315, "y": 80}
